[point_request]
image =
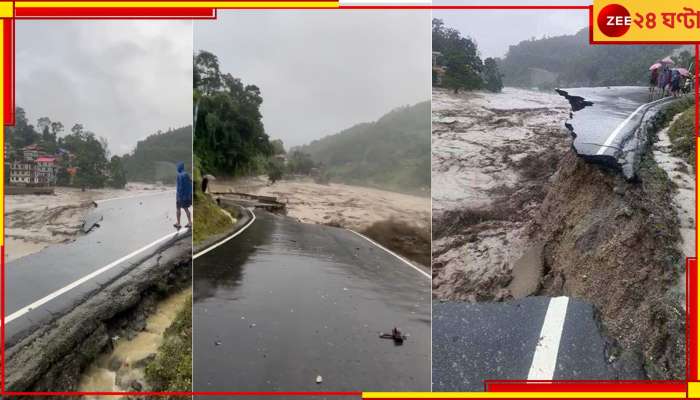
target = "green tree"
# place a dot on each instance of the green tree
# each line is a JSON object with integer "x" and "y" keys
{"x": 277, "y": 147}
{"x": 90, "y": 157}
{"x": 460, "y": 56}
{"x": 492, "y": 77}
{"x": 117, "y": 175}
{"x": 229, "y": 136}
{"x": 275, "y": 170}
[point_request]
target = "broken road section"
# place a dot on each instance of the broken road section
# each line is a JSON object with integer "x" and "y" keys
{"x": 611, "y": 126}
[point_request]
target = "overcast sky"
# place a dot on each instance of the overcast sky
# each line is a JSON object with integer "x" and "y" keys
{"x": 495, "y": 30}
{"x": 323, "y": 71}
{"x": 122, "y": 80}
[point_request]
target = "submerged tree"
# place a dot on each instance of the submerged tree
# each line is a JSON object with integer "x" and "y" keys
{"x": 492, "y": 77}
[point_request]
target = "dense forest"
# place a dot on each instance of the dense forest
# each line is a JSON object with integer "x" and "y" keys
{"x": 570, "y": 61}
{"x": 229, "y": 137}
{"x": 155, "y": 157}
{"x": 391, "y": 153}
{"x": 458, "y": 65}
{"x": 80, "y": 149}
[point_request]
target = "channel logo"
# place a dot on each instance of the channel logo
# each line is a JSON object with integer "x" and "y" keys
{"x": 614, "y": 20}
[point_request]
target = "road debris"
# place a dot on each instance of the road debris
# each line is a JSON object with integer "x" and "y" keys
{"x": 395, "y": 335}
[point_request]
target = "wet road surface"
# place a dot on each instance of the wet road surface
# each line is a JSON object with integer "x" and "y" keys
{"x": 606, "y": 124}
{"x": 45, "y": 285}
{"x": 285, "y": 302}
{"x": 523, "y": 339}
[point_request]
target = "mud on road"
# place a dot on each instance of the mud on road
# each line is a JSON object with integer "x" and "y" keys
{"x": 33, "y": 222}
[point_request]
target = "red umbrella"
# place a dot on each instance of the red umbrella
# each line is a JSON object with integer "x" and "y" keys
{"x": 655, "y": 66}
{"x": 667, "y": 60}
{"x": 682, "y": 71}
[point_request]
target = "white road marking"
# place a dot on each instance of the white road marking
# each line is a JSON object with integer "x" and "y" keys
{"x": 134, "y": 196}
{"x": 238, "y": 232}
{"x": 617, "y": 130}
{"x": 86, "y": 278}
{"x": 410, "y": 264}
{"x": 544, "y": 361}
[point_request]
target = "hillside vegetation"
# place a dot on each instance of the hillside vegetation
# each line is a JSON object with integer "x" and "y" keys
{"x": 390, "y": 153}
{"x": 681, "y": 133}
{"x": 458, "y": 65}
{"x": 570, "y": 61}
{"x": 155, "y": 157}
{"x": 229, "y": 136}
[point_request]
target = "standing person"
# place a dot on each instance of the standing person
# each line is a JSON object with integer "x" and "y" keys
{"x": 663, "y": 80}
{"x": 653, "y": 81}
{"x": 675, "y": 82}
{"x": 183, "y": 194}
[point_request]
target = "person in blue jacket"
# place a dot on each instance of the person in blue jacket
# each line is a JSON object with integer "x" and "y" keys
{"x": 183, "y": 194}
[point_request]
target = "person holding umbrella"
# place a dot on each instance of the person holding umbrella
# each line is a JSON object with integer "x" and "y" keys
{"x": 654, "y": 80}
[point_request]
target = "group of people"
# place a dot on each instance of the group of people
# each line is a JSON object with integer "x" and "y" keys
{"x": 669, "y": 81}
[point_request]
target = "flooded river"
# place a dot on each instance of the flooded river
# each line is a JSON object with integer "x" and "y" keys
{"x": 123, "y": 368}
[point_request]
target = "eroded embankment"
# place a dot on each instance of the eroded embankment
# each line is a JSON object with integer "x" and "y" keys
{"x": 53, "y": 357}
{"x": 572, "y": 229}
{"x": 614, "y": 244}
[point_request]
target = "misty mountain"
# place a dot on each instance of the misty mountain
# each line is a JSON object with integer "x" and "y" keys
{"x": 391, "y": 153}
{"x": 155, "y": 157}
{"x": 570, "y": 61}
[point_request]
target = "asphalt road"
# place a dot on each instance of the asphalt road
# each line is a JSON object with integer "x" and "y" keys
{"x": 523, "y": 339}
{"x": 605, "y": 129}
{"x": 45, "y": 285}
{"x": 285, "y": 302}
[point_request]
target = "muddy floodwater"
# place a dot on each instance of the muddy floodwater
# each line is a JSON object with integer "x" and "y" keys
{"x": 122, "y": 369}
{"x": 492, "y": 154}
{"x": 353, "y": 207}
{"x": 33, "y": 222}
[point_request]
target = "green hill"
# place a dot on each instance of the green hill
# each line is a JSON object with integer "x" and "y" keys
{"x": 570, "y": 61}
{"x": 391, "y": 153}
{"x": 155, "y": 157}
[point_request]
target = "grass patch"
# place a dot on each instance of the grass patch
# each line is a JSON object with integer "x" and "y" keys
{"x": 171, "y": 370}
{"x": 682, "y": 137}
{"x": 209, "y": 219}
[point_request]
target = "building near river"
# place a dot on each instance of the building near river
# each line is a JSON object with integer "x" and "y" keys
{"x": 33, "y": 168}
{"x": 45, "y": 171}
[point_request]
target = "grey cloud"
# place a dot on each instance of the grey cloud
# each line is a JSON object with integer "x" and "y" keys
{"x": 122, "y": 80}
{"x": 325, "y": 70}
{"x": 495, "y": 30}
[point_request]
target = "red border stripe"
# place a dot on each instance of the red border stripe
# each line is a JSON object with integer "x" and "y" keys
{"x": 9, "y": 71}
{"x": 692, "y": 315}
{"x": 115, "y": 12}
{"x": 697, "y": 100}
